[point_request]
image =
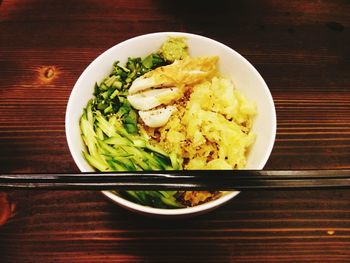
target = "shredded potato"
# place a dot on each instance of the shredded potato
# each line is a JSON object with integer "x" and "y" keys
{"x": 211, "y": 130}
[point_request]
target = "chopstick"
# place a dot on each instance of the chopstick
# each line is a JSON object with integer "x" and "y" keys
{"x": 182, "y": 180}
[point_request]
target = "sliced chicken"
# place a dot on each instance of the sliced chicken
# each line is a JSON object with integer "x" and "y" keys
{"x": 152, "y": 98}
{"x": 158, "y": 117}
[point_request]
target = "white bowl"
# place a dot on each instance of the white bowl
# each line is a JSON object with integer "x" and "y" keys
{"x": 245, "y": 77}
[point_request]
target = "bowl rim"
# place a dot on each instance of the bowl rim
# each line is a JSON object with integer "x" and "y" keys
{"x": 177, "y": 211}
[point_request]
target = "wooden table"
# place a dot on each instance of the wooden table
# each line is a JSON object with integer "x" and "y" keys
{"x": 301, "y": 48}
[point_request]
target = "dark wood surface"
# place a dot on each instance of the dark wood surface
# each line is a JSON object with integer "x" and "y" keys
{"x": 301, "y": 48}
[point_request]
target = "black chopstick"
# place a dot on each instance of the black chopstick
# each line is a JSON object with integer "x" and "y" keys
{"x": 182, "y": 180}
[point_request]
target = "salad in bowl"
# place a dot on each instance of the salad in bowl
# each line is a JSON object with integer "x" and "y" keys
{"x": 170, "y": 101}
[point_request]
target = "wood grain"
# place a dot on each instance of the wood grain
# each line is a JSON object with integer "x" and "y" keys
{"x": 301, "y": 48}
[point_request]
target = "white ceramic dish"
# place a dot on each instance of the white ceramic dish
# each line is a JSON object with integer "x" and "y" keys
{"x": 245, "y": 77}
